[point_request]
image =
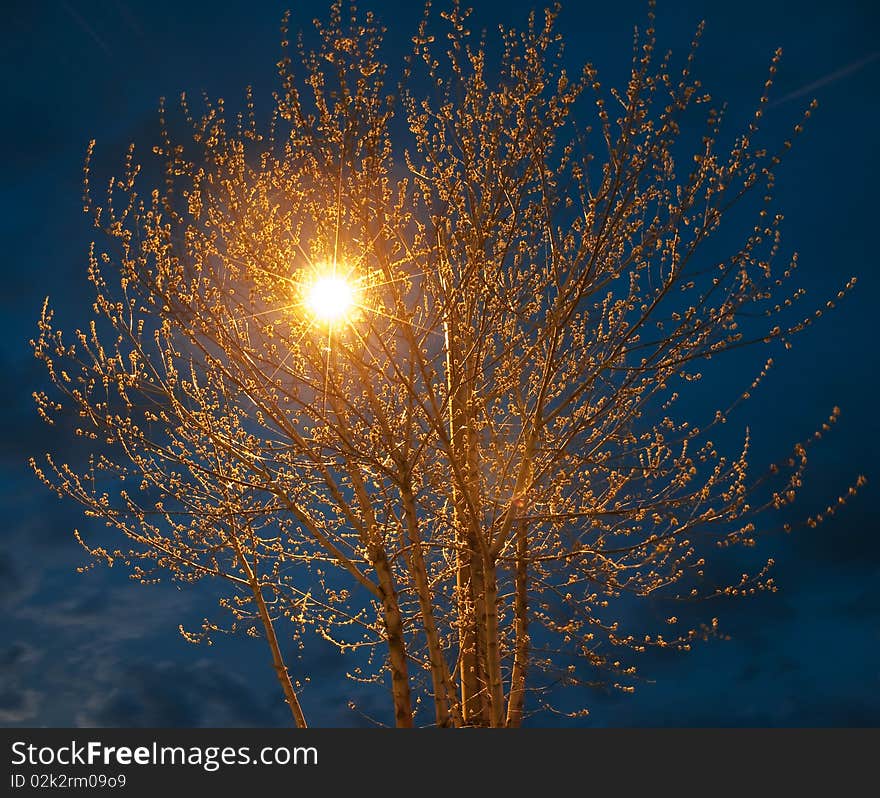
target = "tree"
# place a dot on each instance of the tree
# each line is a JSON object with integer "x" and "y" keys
{"x": 416, "y": 391}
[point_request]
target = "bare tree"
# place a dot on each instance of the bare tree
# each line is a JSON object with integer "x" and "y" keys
{"x": 417, "y": 390}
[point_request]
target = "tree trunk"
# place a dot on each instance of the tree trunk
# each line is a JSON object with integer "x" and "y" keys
{"x": 266, "y": 619}
{"x": 467, "y": 638}
{"x": 444, "y": 693}
{"x": 400, "y": 690}
{"x": 494, "y": 684}
{"x": 277, "y": 659}
{"x": 468, "y": 661}
{"x": 521, "y": 630}
{"x": 477, "y": 596}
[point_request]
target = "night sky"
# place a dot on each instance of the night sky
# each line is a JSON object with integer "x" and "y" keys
{"x": 96, "y": 650}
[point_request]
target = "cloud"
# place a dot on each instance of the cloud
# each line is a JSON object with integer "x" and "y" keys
{"x": 17, "y": 706}
{"x": 171, "y": 694}
{"x": 18, "y": 654}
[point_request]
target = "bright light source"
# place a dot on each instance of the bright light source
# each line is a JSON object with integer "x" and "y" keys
{"x": 330, "y": 298}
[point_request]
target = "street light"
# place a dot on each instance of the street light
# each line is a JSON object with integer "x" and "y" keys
{"x": 330, "y": 298}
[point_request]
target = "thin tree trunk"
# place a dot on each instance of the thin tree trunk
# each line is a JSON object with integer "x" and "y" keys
{"x": 266, "y": 619}
{"x": 484, "y": 587}
{"x": 277, "y": 659}
{"x": 471, "y": 703}
{"x": 521, "y": 630}
{"x": 444, "y": 692}
{"x": 467, "y": 639}
{"x": 400, "y": 689}
{"x": 391, "y": 615}
{"x": 477, "y": 595}
{"x": 493, "y": 649}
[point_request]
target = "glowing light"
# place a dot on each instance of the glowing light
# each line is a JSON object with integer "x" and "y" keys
{"x": 330, "y": 298}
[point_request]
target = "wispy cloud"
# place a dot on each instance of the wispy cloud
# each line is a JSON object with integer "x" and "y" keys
{"x": 831, "y": 77}
{"x": 78, "y": 19}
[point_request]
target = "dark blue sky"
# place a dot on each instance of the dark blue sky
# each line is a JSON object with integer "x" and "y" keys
{"x": 95, "y": 649}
